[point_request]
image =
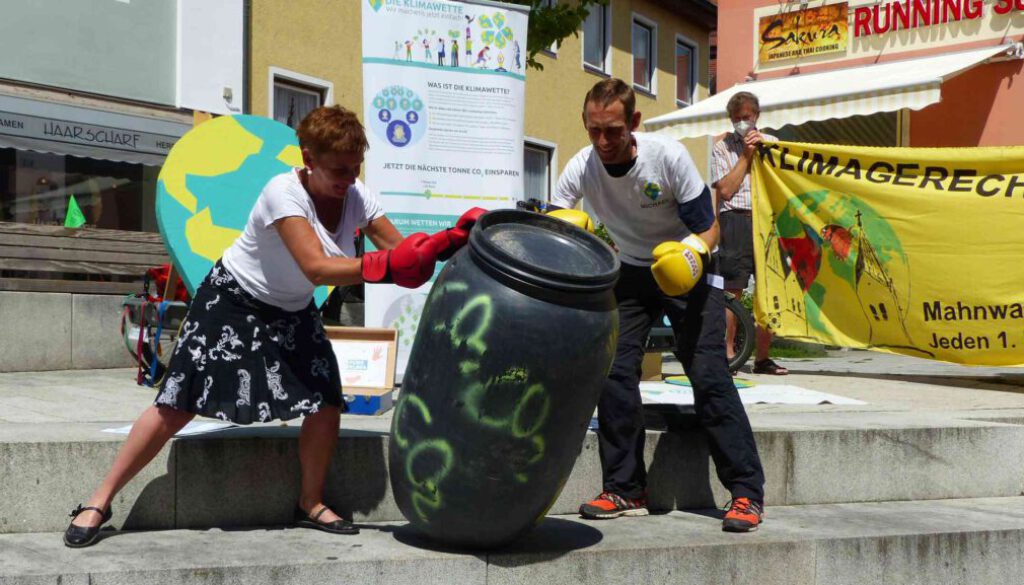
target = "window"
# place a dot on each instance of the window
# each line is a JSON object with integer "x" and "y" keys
{"x": 293, "y": 95}
{"x": 645, "y": 41}
{"x": 686, "y": 67}
{"x": 37, "y": 187}
{"x": 713, "y": 63}
{"x": 597, "y": 39}
{"x": 293, "y": 102}
{"x": 537, "y": 170}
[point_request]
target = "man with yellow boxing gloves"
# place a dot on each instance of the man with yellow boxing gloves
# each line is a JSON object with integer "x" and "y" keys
{"x": 655, "y": 206}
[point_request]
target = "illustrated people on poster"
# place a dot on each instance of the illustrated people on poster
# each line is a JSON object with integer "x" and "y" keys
{"x": 440, "y": 52}
{"x": 398, "y": 49}
{"x": 483, "y": 57}
{"x": 517, "y": 55}
{"x": 501, "y": 61}
{"x": 427, "y": 54}
{"x": 408, "y": 50}
{"x": 469, "y": 50}
{"x": 455, "y": 53}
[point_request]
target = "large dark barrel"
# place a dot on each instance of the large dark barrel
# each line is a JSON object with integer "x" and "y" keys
{"x": 512, "y": 350}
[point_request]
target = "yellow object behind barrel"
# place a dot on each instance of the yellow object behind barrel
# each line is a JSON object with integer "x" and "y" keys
{"x": 576, "y": 217}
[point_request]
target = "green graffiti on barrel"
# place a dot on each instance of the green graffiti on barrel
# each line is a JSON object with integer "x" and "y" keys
{"x": 518, "y": 429}
{"x": 400, "y": 409}
{"x": 429, "y": 494}
{"x": 475, "y": 339}
{"x": 505, "y": 371}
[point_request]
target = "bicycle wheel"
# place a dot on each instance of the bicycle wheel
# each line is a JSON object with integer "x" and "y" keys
{"x": 164, "y": 348}
{"x": 743, "y": 341}
{"x": 746, "y": 333}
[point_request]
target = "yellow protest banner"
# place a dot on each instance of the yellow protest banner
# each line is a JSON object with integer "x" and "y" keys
{"x": 917, "y": 251}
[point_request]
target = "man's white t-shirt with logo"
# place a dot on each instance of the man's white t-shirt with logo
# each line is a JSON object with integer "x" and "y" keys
{"x": 640, "y": 209}
{"x": 261, "y": 262}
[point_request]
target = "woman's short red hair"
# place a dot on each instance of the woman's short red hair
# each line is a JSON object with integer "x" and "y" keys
{"x": 332, "y": 129}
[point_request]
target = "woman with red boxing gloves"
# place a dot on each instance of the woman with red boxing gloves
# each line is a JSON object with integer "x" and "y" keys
{"x": 253, "y": 346}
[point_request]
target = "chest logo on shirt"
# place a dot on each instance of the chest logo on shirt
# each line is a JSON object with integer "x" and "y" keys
{"x": 652, "y": 190}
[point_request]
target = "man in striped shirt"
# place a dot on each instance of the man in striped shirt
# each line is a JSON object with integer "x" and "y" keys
{"x": 732, "y": 159}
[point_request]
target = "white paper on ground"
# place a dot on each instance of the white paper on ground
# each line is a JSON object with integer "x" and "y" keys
{"x": 665, "y": 393}
{"x": 192, "y": 428}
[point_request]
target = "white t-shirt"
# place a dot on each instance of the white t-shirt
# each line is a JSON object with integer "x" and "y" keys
{"x": 640, "y": 209}
{"x": 259, "y": 258}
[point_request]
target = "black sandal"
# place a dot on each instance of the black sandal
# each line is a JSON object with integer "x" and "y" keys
{"x": 768, "y": 366}
{"x": 83, "y": 536}
{"x": 304, "y": 520}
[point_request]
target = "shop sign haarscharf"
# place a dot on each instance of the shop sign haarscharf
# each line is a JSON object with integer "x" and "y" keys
{"x": 904, "y": 250}
{"x": 813, "y": 31}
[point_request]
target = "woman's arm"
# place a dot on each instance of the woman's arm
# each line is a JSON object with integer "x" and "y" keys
{"x": 383, "y": 233}
{"x": 407, "y": 262}
{"x": 300, "y": 239}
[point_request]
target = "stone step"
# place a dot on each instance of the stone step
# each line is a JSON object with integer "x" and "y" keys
{"x": 249, "y": 476}
{"x": 971, "y": 541}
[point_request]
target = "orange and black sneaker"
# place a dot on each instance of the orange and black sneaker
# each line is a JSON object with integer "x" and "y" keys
{"x": 608, "y": 505}
{"x": 744, "y": 515}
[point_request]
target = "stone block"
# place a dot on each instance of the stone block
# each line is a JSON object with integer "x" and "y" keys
{"x": 35, "y": 331}
{"x": 96, "y": 333}
{"x": 251, "y": 477}
{"x": 42, "y": 482}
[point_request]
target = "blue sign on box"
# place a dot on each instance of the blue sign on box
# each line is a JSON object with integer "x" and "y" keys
{"x": 369, "y": 404}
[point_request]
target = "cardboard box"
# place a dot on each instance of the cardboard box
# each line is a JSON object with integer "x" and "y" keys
{"x": 650, "y": 370}
{"x": 366, "y": 357}
{"x": 369, "y": 401}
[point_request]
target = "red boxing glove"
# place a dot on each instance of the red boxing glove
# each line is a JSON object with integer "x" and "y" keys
{"x": 449, "y": 241}
{"x": 410, "y": 264}
{"x": 468, "y": 219}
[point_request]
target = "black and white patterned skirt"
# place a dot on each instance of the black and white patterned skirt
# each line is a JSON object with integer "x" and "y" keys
{"x": 241, "y": 360}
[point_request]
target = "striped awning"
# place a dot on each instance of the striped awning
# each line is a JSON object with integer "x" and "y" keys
{"x": 857, "y": 91}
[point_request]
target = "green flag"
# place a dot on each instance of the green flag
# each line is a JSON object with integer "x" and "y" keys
{"x": 75, "y": 218}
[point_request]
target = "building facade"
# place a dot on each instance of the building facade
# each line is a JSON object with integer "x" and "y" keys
{"x": 98, "y": 93}
{"x": 93, "y": 115}
{"x": 93, "y": 95}
{"x": 100, "y": 90}
{"x": 308, "y": 52}
{"x": 970, "y": 48}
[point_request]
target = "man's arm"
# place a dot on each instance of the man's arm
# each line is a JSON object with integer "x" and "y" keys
{"x": 567, "y": 192}
{"x": 729, "y": 185}
{"x": 710, "y": 235}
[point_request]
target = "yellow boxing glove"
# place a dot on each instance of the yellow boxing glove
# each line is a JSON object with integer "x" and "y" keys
{"x": 576, "y": 217}
{"x": 679, "y": 266}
